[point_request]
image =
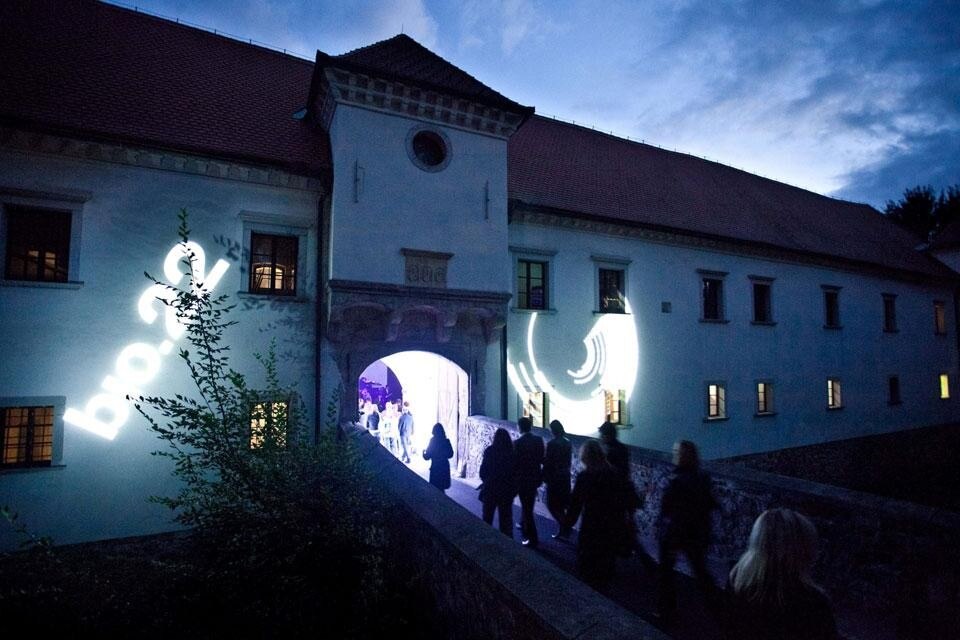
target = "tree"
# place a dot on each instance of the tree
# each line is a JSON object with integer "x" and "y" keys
{"x": 923, "y": 211}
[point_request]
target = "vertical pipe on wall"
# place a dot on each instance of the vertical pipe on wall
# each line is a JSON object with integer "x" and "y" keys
{"x": 503, "y": 372}
{"x": 318, "y": 330}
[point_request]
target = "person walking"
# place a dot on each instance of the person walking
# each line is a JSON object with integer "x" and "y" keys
{"x": 618, "y": 456}
{"x": 596, "y": 495}
{"x": 530, "y": 451}
{"x": 771, "y": 594}
{"x": 439, "y": 451}
{"x": 685, "y": 526}
{"x": 498, "y": 474}
{"x": 556, "y": 475}
{"x": 405, "y": 428}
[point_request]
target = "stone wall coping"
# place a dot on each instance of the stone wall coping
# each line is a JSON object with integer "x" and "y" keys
{"x": 890, "y": 508}
{"x": 560, "y": 601}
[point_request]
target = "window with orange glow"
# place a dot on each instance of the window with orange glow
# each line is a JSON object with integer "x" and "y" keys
{"x": 26, "y": 436}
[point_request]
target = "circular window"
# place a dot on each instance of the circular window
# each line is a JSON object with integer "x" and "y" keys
{"x": 428, "y": 149}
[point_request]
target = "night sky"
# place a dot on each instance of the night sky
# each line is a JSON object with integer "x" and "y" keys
{"x": 857, "y": 99}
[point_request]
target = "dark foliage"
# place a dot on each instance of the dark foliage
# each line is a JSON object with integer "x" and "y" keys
{"x": 924, "y": 212}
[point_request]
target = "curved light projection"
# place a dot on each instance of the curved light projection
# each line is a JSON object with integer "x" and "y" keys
{"x": 611, "y": 364}
{"x": 140, "y": 362}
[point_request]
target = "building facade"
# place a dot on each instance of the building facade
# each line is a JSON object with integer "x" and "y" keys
{"x": 361, "y": 208}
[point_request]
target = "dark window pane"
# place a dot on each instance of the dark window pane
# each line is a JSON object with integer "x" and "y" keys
{"x": 611, "y": 291}
{"x": 38, "y": 244}
{"x": 889, "y": 313}
{"x": 712, "y": 299}
{"x": 531, "y": 284}
{"x": 761, "y": 302}
{"x": 894, "y": 390}
{"x": 831, "y": 301}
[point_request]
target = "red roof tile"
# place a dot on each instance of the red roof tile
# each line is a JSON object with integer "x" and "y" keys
{"x": 583, "y": 172}
{"x": 93, "y": 68}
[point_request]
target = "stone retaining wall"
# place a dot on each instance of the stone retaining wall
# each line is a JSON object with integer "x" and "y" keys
{"x": 884, "y": 562}
{"x": 475, "y": 582}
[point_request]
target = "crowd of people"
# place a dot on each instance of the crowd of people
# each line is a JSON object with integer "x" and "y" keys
{"x": 769, "y": 592}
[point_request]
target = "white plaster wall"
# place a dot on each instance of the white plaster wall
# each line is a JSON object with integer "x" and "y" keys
{"x": 400, "y": 205}
{"x": 678, "y": 353}
{"x": 63, "y": 342}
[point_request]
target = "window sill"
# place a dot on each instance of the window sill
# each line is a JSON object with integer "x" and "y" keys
{"x": 548, "y": 312}
{"x": 833, "y": 327}
{"x": 940, "y": 334}
{"x": 11, "y": 470}
{"x": 835, "y": 408}
{"x": 39, "y": 284}
{"x": 763, "y": 323}
{"x": 611, "y": 313}
{"x": 714, "y": 321}
{"x": 894, "y": 403}
{"x": 246, "y": 295}
{"x": 891, "y": 330}
{"x": 717, "y": 419}
{"x": 765, "y": 414}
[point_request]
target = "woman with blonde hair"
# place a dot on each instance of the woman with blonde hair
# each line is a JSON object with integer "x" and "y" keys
{"x": 772, "y": 594}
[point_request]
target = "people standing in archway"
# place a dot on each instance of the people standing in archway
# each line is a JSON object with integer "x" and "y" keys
{"x": 439, "y": 451}
{"x": 373, "y": 420}
{"x": 499, "y": 476}
{"x": 530, "y": 452}
{"x": 597, "y": 495}
{"x": 556, "y": 475}
{"x": 771, "y": 592}
{"x": 389, "y": 434}
{"x": 405, "y": 427}
{"x": 685, "y": 526}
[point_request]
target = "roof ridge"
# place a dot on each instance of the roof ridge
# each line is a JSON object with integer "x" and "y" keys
{"x": 656, "y": 147}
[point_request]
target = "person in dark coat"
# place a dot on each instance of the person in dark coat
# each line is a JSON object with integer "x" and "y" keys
{"x": 530, "y": 451}
{"x": 439, "y": 451}
{"x": 499, "y": 476}
{"x": 685, "y": 526}
{"x": 771, "y": 594}
{"x": 405, "y": 429}
{"x": 556, "y": 475}
{"x": 618, "y": 455}
{"x": 597, "y": 496}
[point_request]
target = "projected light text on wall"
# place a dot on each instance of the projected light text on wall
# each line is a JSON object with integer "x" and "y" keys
{"x": 139, "y": 362}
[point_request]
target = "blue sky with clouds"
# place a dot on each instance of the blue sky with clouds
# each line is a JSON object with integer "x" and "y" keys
{"x": 859, "y": 99}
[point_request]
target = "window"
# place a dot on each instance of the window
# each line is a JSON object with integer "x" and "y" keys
{"x": 939, "y": 318}
{"x": 532, "y": 284}
{"x": 428, "y": 148}
{"x": 37, "y": 244}
{"x": 831, "y": 307}
{"x": 762, "y": 310}
{"x": 268, "y": 423}
{"x": 615, "y": 406}
{"x": 273, "y": 264}
{"x": 834, "y": 398}
{"x": 26, "y": 436}
{"x": 712, "y": 295}
{"x": 537, "y": 408}
{"x": 716, "y": 401}
{"x": 611, "y": 291}
{"x": 889, "y": 312}
{"x": 764, "y": 398}
{"x": 944, "y": 386}
{"x": 893, "y": 385}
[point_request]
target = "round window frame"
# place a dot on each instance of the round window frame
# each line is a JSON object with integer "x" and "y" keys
{"x": 448, "y": 148}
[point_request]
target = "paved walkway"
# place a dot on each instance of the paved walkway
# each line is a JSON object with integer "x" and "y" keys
{"x": 634, "y": 587}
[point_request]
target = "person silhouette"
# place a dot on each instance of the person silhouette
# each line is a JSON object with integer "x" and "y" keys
{"x": 499, "y": 476}
{"x": 529, "y": 450}
{"x": 439, "y": 451}
{"x": 556, "y": 476}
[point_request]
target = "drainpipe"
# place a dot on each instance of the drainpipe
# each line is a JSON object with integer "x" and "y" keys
{"x": 318, "y": 387}
{"x": 503, "y": 372}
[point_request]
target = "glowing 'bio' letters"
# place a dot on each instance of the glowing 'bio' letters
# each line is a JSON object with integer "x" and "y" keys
{"x": 139, "y": 363}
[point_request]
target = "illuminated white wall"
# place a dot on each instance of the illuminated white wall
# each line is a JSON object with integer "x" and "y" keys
{"x": 399, "y": 205}
{"x": 77, "y": 342}
{"x": 677, "y": 354}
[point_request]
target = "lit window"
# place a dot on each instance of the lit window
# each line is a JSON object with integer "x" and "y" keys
{"x": 939, "y": 318}
{"x": 273, "y": 264}
{"x": 764, "y": 398}
{"x": 889, "y": 312}
{"x": 716, "y": 401}
{"x": 614, "y": 406}
{"x": 894, "y": 389}
{"x": 834, "y": 397}
{"x": 531, "y": 284}
{"x": 762, "y": 309}
{"x": 611, "y": 291}
{"x": 26, "y": 436}
{"x": 712, "y": 292}
{"x": 37, "y": 244}
{"x": 944, "y": 386}
{"x": 537, "y": 408}
{"x": 831, "y": 307}
{"x": 268, "y": 423}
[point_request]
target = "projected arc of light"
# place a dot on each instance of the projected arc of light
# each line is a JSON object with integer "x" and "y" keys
{"x": 140, "y": 362}
{"x": 611, "y": 363}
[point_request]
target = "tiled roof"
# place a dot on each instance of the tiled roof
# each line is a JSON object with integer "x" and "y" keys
{"x": 403, "y": 58}
{"x": 93, "y": 68}
{"x": 582, "y": 172}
